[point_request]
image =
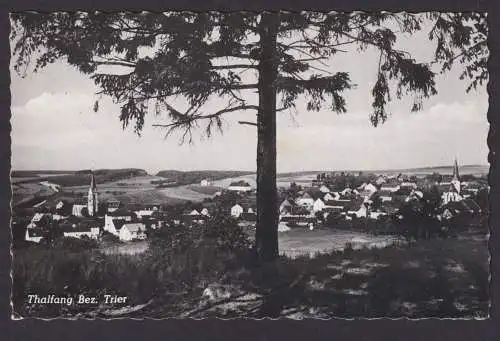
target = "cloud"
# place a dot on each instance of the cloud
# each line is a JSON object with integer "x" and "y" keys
{"x": 60, "y": 130}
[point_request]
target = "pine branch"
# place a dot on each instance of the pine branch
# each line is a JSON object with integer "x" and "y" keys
{"x": 184, "y": 119}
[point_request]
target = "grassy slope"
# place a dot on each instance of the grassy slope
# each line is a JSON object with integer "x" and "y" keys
{"x": 435, "y": 278}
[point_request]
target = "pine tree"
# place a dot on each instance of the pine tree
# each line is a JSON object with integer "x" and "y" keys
{"x": 201, "y": 56}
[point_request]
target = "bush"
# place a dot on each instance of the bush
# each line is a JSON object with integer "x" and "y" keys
{"x": 179, "y": 264}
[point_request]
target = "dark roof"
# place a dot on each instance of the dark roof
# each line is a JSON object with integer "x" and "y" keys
{"x": 119, "y": 223}
{"x": 120, "y": 213}
{"x": 354, "y": 204}
{"x": 35, "y": 232}
{"x": 76, "y": 228}
{"x": 337, "y": 203}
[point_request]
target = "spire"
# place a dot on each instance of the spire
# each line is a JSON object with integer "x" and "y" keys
{"x": 92, "y": 181}
{"x": 455, "y": 170}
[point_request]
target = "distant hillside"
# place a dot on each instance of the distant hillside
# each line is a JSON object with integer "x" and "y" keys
{"x": 465, "y": 169}
{"x": 191, "y": 177}
{"x": 81, "y": 177}
{"x": 35, "y": 173}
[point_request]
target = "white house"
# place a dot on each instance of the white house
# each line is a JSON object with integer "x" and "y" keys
{"x": 77, "y": 210}
{"x": 380, "y": 180}
{"x": 236, "y": 211}
{"x": 205, "y": 183}
{"x": 450, "y": 196}
{"x": 132, "y": 231}
{"x": 385, "y": 196}
{"x": 377, "y": 215}
{"x": 194, "y": 212}
{"x": 59, "y": 205}
{"x": 348, "y": 191}
{"x": 204, "y": 212}
{"x": 324, "y": 189}
{"x": 414, "y": 195}
{"x": 331, "y": 196}
{"x": 318, "y": 205}
{"x": 305, "y": 200}
{"x": 240, "y": 186}
{"x": 33, "y": 235}
{"x": 390, "y": 188}
{"x": 285, "y": 205}
{"x": 144, "y": 213}
{"x": 370, "y": 188}
{"x": 112, "y": 223}
{"x": 75, "y": 231}
{"x": 38, "y": 219}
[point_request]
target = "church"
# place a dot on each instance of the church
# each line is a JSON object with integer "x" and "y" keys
{"x": 453, "y": 194}
{"x": 92, "y": 200}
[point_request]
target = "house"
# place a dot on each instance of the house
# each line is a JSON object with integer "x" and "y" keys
{"x": 236, "y": 211}
{"x": 205, "y": 183}
{"x": 331, "y": 196}
{"x": 409, "y": 184}
{"x": 380, "y": 181}
{"x": 285, "y": 206}
{"x": 79, "y": 209}
{"x": 376, "y": 215}
{"x": 348, "y": 192}
{"x": 132, "y": 231}
{"x": 205, "y": 212}
{"x": 324, "y": 189}
{"x": 392, "y": 185}
{"x": 450, "y": 196}
{"x": 306, "y": 200}
{"x": 240, "y": 186}
{"x": 370, "y": 188}
{"x": 60, "y": 204}
{"x": 414, "y": 195}
{"x": 385, "y": 195}
{"x": 194, "y": 213}
{"x": 144, "y": 213}
{"x": 339, "y": 204}
{"x": 115, "y": 220}
{"x": 80, "y": 230}
{"x": 357, "y": 207}
{"x": 34, "y": 235}
{"x": 318, "y": 205}
{"x": 40, "y": 220}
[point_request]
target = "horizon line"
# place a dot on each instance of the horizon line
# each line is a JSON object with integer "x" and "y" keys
{"x": 254, "y": 171}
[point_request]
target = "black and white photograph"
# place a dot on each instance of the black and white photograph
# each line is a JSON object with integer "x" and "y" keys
{"x": 284, "y": 165}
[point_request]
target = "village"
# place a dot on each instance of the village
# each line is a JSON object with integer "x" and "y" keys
{"x": 330, "y": 200}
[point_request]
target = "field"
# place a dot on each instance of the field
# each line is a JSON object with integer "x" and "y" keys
{"x": 301, "y": 241}
{"x": 206, "y": 190}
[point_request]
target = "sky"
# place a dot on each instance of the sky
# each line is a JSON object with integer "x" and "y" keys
{"x": 54, "y": 127}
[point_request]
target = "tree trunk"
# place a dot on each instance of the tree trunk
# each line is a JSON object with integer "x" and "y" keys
{"x": 266, "y": 236}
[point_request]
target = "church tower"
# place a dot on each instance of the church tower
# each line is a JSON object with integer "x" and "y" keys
{"x": 455, "y": 182}
{"x": 92, "y": 202}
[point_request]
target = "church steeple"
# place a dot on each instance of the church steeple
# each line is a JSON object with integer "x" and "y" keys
{"x": 455, "y": 182}
{"x": 456, "y": 175}
{"x": 92, "y": 201}
{"x": 92, "y": 181}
